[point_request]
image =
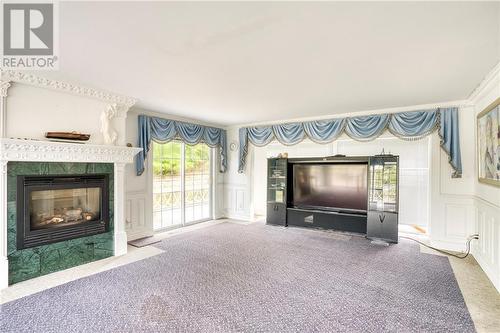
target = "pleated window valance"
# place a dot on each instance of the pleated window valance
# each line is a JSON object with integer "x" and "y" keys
{"x": 411, "y": 125}
{"x": 164, "y": 130}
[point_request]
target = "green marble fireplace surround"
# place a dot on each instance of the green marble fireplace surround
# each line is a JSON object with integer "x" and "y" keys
{"x": 36, "y": 261}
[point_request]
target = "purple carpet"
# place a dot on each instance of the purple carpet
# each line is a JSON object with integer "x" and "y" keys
{"x": 256, "y": 278}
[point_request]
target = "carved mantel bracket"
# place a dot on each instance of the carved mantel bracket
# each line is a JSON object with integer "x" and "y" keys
{"x": 4, "y": 87}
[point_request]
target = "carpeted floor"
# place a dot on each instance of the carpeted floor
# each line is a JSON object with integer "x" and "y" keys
{"x": 256, "y": 278}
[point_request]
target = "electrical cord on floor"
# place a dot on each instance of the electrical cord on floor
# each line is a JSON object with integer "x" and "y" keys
{"x": 469, "y": 239}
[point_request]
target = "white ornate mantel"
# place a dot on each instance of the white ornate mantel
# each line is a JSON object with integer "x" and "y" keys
{"x": 46, "y": 151}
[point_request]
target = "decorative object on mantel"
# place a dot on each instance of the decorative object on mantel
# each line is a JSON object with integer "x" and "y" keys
{"x": 67, "y": 136}
{"x": 488, "y": 144}
{"x": 108, "y": 132}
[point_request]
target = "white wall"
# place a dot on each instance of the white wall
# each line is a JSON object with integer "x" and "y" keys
{"x": 452, "y": 210}
{"x": 259, "y": 181}
{"x": 138, "y": 201}
{"x": 32, "y": 111}
{"x": 487, "y": 197}
{"x": 238, "y": 187}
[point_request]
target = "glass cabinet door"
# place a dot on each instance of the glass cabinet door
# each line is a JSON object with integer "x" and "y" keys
{"x": 276, "y": 180}
{"x": 383, "y": 185}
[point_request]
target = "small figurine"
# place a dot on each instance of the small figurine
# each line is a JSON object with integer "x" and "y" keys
{"x": 107, "y": 130}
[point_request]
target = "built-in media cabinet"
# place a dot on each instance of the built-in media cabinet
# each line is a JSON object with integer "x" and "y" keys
{"x": 348, "y": 193}
{"x": 276, "y": 191}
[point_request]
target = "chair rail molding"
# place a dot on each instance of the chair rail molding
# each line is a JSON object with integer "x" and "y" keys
{"x": 46, "y": 151}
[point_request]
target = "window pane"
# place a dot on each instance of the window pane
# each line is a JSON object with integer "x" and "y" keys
{"x": 166, "y": 184}
{"x": 197, "y": 182}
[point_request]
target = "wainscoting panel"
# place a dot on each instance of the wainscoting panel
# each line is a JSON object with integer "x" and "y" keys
{"x": 456, "y": 217}
{"x": 137, "y": 222}
{"x": 452, "y": 221}
{"x": 237, "y": 202}
{"x": 219, "y": 201}
{"x": 487, "y": 249}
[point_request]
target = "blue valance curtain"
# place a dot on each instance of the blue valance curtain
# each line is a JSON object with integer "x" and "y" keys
{"x": 163, "y": 130}
{"x": 411, "y": 125}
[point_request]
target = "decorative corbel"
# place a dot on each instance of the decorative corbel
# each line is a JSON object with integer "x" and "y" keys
{"x": 4, "y": 87}
{"x": 120, "y": 110}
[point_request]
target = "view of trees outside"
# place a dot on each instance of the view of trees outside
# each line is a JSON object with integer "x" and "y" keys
{"x": 197, "y": 182}
{"x": 167, "y": 183}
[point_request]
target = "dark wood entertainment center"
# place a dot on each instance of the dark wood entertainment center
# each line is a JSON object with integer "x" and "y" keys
{"x": 356, "y": 194}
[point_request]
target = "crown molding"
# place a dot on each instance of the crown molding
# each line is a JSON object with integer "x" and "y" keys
{"x": 38, "y": 81}
{"x": 458, "y": 103}
{"x": 490, "y": 81}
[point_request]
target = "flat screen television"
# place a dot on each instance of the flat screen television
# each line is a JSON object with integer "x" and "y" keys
{"x": 335, "y": 186}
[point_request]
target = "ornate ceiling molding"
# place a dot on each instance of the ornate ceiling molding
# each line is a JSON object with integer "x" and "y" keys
{"x": 47, "y": 151}
{"x": 38, "y": 81}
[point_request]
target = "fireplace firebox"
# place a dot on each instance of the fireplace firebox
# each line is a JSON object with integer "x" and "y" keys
{"x": 55, "y": 208}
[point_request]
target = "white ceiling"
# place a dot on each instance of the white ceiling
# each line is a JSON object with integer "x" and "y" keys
{"x": 234, "y": 63}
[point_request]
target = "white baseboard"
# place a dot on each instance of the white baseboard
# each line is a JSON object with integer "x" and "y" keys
{"x": 447, "y": 245}
{"x": 246, "y": 218}
{"x": 491, "y": 272}
{"x": 4, "y": 272}
{"x": 120, "y": 242}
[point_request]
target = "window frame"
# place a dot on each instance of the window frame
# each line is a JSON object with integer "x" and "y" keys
{"x": 211, "y": 190}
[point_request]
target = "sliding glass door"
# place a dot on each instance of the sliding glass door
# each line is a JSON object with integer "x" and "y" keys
{"x": 181, "y": 184}
{"x": 197, "y": 183}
